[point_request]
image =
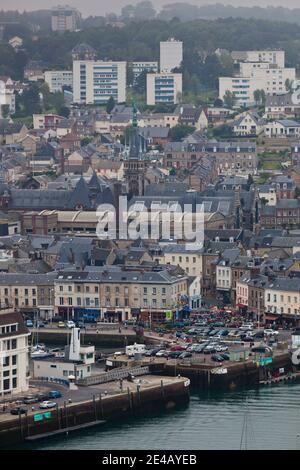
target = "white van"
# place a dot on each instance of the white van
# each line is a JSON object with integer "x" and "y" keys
{"x": 135, "y": 349}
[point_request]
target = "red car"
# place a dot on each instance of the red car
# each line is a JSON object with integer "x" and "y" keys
{"x": 177, "y": 347}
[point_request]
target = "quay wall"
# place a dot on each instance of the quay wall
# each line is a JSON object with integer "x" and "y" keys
{"x": 240, "y": 374}
{"x": 103, "y": 408}
{"x": 99, "y": 340}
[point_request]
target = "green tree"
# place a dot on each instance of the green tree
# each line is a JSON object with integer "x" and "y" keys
{"x": 257, "y": 96}
{"x": 180, "y": 131}
{"x": 289, "y": 85}
{"x": 229, "y": 99}
{"x": 30, "y": 100}
{"x": 64, "y": 111}
{"x": 5, "y": 110}
{"x": 110, "y": 105}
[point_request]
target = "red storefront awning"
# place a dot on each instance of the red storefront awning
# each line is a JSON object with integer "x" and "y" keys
{"x": 271, "y": 317}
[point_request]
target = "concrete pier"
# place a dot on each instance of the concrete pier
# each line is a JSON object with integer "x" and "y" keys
{"x": 146, "y": 394}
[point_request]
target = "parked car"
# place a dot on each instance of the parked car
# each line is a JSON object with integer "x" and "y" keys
{"x": 30, "y": 399}
{"x": 185, "y": 355}
{"x": 209, "y": 350}
{"x": 161, "y": 353}
{"x": 225, "y": 356}
{"x": 177, "y": 347}
{"x": 41, "y": 396}
{"x": 217, "y": 358}
{"x": 70, "y": 324}
{"x": 221, "y": 348}
{"x": 80, "y": 324}
{"x": 54, "y": 394}
{"x": 261, "y": 349}
{"x": 18, "y": 410}
{"x": 174, "y": 354}
{"x": 270, "y": 332}
{"x": 29, "y": 323}
{"x": 61, "y": 324}
{"x": 259, "y": 334}
{"x": 47, "y": 404}
{"x": 40, "y": 324}
{"x": 246, "y": 327}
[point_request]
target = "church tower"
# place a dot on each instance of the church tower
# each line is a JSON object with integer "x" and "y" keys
{"x": 135, "y": 165}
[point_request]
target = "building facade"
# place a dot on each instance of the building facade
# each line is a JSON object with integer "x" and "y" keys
{"x": 58, "y": 79}
{"x": 64, "y": 18}
{"x": 14, "y": 364}
{"x": 94, "y": 82}
{"x": 171, "y": 55}
{"x": 164, "y": 88}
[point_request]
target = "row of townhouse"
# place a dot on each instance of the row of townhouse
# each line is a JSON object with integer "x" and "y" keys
{"x": 276, "y": 299}
{"x": 232, "y": 158}
{"x": 28, "y": 293}
{"x": 115, "y": 294}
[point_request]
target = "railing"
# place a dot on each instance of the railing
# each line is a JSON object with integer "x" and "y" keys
{"x": 54, "y": 380}
{"x": 115, "y": 374}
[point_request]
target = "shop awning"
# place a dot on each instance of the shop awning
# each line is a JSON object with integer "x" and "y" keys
{"x": 271, "y": 317}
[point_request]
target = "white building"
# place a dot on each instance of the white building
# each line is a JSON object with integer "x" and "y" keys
{"x": 139, "y": 67}
{"x": 282, "y": 128}
{"x": 64, "y": 18}
{"x": 7, "y": 97}
{"x": 282, "y": 297}
{"x": 94, "y": 82}
{"x": 171, "y": 55}
{"x": 268, "y": 56}
{"x": 57, "y": 79}
{"x": 164, "y": 88}
{"x": 77, "y": 362}
{"x": 257, "y": 75}
{"x": 14, "y": 368}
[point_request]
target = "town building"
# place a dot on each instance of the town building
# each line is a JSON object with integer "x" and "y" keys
{"x": 94, "y": 82}
{"x": 282, "y": 299}
{"x": 58, "y": 79}
{"x": 14, "y": 364}
{"x": 171, "y": 55}
{"x": 116, "y": 294}
{"x": 232, "y": 158}
{"x": 64, "y": 18}
{"x": 7, "y": 98}
{"x": 138, "y": 68}
{"x": 164, "y": 87}
{"x": 76, "y": 364}
{"x": 267, "y": 73}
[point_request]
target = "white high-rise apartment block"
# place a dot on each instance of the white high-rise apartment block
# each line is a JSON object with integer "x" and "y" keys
{"x": 57, "y": 79}
{"x": 94, "y": 82}
{"x": 269, "y": 75}
{"x": 7, "y": 97}
{"x": 164, "y": 88}
{"x": 171, "y": 55}
{"x": 268, "y": 56}
{"x": 64, "y": 18}
{"x": 139, "y": 67}
{"x": 14, "y": 360}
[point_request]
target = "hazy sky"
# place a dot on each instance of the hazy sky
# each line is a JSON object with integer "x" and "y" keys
{"x": 100, "y": 7}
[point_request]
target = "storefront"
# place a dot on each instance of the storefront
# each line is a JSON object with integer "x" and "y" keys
{"x": 113, "y": 316}
{"x": 88, "y": 315}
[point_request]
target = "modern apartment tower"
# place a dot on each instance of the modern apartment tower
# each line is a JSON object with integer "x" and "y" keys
{"x": 164, "y": 88}
{"x": 171, "y": 55}
{"x": 64, "y": 18}
{"x": 94, "y": 82}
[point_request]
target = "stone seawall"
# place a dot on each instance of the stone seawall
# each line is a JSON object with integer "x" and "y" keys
{"x": 101, "y": 409}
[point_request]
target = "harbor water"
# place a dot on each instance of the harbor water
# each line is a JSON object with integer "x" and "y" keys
{"x": 264, "y": 418}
